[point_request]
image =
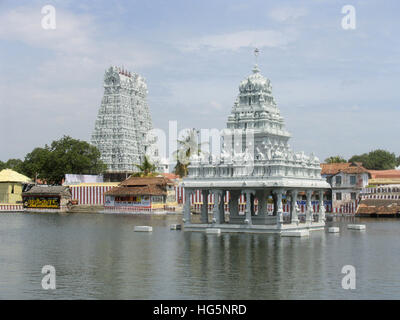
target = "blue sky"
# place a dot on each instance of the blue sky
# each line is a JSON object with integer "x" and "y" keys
{"x": 336, "y": 88}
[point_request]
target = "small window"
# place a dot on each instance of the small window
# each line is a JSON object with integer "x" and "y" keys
{"x": 338, "y": 180}
{"x": 12, "y": 189}
{"x": 352, "y": 179}
{"x": 353, "y": 196}
{"x": 338, "y": 196}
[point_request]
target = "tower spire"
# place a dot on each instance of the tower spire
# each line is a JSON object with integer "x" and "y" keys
{"x": 256, "y": 53}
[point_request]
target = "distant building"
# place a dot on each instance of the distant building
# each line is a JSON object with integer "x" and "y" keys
{"x": 383, "y": 184}
{"x": 347, "y": 181}
{"x": 384, "y": 177}
{"x": 382, "y": 195}
{"x": 11, "y": 186}
{"x": 123, "y": 123}
{"x": 47, "y": 198}
{"x": 382, "y": 192}
{"x": 141, "y": 194}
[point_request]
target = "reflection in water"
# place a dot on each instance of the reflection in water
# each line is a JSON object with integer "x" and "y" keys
{"x": 100, "y": 257}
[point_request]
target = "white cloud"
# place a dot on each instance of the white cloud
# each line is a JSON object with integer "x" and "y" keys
{"x": 241, "y": 39}
{"x": 72, "y": 33}
{"x": 286, "y": 14}
{"x": 77, "y": 37}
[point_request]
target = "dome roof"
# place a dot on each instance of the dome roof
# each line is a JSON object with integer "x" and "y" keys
{"x": 255, "y": 82}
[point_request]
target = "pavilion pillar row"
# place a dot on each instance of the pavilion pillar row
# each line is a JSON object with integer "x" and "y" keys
{"x": 218, "y": 210}
{"x": 294, "y": 209}
{"x": 186, "y": 209}
{"x": 321, "y": 213}
{"x": 249, "y": 194}
{"x": 234, "y": 207}
{"x": 279, "y": 208}
{"x": 309, "y": 207}
{"x": 204, "y": 207}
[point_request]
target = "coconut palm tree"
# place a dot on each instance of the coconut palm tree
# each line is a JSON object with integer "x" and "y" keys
{"x": 146, "y": 168}
{"x": 187, "y": 147}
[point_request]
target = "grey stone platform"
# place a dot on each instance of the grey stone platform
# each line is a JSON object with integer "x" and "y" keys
{"x": 235, "y": 228}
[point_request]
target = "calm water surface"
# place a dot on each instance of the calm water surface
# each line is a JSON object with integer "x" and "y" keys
{"x": 99, "y": 256}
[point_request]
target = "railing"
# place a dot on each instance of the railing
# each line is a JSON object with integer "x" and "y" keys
{"x": 120, "y": 209}
{"x": 11, "y": 207}
{"x": 347, "y": 208}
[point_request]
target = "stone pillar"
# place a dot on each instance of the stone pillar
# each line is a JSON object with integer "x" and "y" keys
{"x": 294, "y": 209}
{"x": 253, "y": 206}
{"x": 186, "y": 209}
{"x": 234, "y": 205}
{"x": 217, "y": 207}
{"x": 204, "y": 207}
{"x": 249, "y": 206}
{"x": 275, "y": 199}
{"x": 222, "y": 207}
{"x": 279, "y": 208}
{"x": 309, "y": 208}
{"x": 261, "y": 196}
{"x": 321, "y": 213}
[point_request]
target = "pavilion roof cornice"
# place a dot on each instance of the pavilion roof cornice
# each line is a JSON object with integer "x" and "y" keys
{"x": 295, "y": 183}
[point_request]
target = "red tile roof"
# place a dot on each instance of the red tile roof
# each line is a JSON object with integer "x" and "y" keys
{"x": 385, "y": 174}
{"x": 145, "y": 181}
{"x": 141, "y": 186}
{"x": 171, "y": 176}
{"x": 348, "y": 167}
{"x": 151, "y": 190}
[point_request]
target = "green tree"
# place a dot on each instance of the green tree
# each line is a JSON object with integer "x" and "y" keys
{"x": 36, "y": 164}
{"x": 376, "y": 160}
{"x": 146, "y": 168}
{"x": 69, "y": 155}
{"x": 66, "y": 155}
{"x": 335, "y": 159}
{"x": 2, "y": 165}
{"x": 14, "y": 164}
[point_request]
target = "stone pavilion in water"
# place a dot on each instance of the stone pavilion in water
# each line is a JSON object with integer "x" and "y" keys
{"x": 256, "y": 161}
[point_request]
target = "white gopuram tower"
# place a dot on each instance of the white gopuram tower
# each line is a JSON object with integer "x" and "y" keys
{"x": 256, "y": 163}
{"x": 123, "y": 122}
